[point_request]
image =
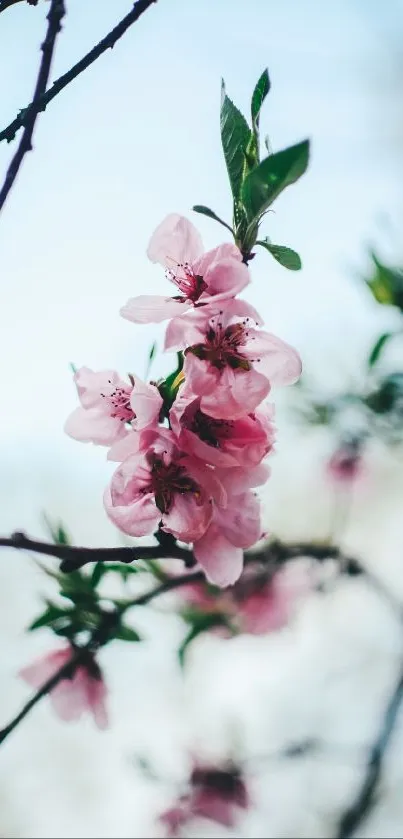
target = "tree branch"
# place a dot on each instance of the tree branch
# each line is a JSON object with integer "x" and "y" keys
{"x": 361, "y": 807}
{"x": 107, "y": 43}
{"x": 74, "y": 557}
{"x": 98, "y": 638}
{"x": 54, "y": 18}
{"x": 5, "y": 4}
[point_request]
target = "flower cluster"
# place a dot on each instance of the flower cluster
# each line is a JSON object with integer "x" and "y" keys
{"x": 191, "y": 456}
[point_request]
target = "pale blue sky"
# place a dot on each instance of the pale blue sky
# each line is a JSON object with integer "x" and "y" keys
{"x": 137, "y": 136}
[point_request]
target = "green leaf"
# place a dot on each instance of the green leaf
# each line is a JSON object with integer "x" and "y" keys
{"x": 151, "y": 356}
{"x": 205, "y": 211}
{"x": 169, "y": 387}
{"x": 97, "y": 574}
{"x": 378, "y": 348}
{"x": 265, "y": 183}
{"x": 390, "y": 391}
{"x": 285, "y": 256}
{"x": 235, "y": 137}
{"x": 386, "y": 284}
{"x": 126, "y": 633}
{"x": 200, "y": 622}
{"x": 50, "y": 614}
{"x": 57, "y": 531}
{"x": 259, "y": 95}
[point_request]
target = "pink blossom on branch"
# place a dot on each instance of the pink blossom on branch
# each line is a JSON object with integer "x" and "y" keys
{"x": 109, "y": 405}
{"x": 229, "y": 363}
{"x": 215, "y": 793}
{"x": 200, "y": 278}
{"x": 345, "y": 464}
{"x": 234, "y": 526}
{"x": 81, "y": 692}
{"x": 222, "y": 442}
{"x": 163, "y": 486}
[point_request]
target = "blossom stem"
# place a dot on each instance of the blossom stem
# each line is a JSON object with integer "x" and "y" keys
{"x": 358, "y": 811}
{"x": 46, "y": 96}
{"x": 54, "y": 18}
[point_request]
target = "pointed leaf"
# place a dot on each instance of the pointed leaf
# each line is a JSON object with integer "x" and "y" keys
{"x": 259, "y": 95}
{"x": 378, "y": 348}
{"x": 126, "y": 633}
{"x": 265, "y": 183}
{"x": 205, "y": 211}
{"x": 285, "y": 256}
{"x": 97, "y": 574}
{"x": 235, "y": 137}
{"x": 50, "y": 614}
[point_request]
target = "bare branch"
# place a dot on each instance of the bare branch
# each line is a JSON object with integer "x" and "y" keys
{"x": 54, "y": 18}
{"x": 5, "y": 4}
{"x": 74, "y": 557}
{"x": 107, "y": 43}
{"x": 359, "y": 810}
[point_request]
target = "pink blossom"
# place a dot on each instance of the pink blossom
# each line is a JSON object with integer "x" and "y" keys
{"x": 230, "y": 364}
{"x": 269, "y": 605}
{"x": 199, "y": 277}
{"x": 215, "y": 793}
{"x": 345, "y": 465}
{"x": 109, "y": 405}
{"x": 84, "y": 690}
{"x": 234, "y": 527}
{"x": 162, "y": 484}
{"x": 222, "y": 442}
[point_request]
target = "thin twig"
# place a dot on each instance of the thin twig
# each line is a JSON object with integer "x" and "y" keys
{"x": 361, "y": 807}
{"x": 107, "y": 43}
{"x": 99, "y": 637}
{"x": 54, "y": 18}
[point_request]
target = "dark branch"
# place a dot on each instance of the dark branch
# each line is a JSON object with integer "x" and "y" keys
{"x": 74, "y": 557}
{"x": 5, "y": 4}
{"x": 54, "y": 18}
{"x": 363, "y": 804}
{"x": 99, "y": 637}
{"x": 107, "y": 43}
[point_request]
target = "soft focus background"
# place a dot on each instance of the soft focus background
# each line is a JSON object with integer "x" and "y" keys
{"x": 135, "y": 137}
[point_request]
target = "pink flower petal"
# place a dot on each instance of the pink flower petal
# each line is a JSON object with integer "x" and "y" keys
{"x": 174, "y": 242}
{"x": 146, "y": 402}
{"x": 220, "y": 560}
{"x": 149, "y": 308}
{"x": 187, "y": 519}
{"x": 277, "y": 360}
{"x": 137, "y": 519}
{"x": 91, "y": 425}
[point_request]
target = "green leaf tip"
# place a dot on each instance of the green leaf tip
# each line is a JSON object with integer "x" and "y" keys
{"x": 287, "y": 257}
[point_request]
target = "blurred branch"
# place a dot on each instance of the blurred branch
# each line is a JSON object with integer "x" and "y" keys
{"x": 47, "y": 95}
{"x": 99, "y": 637}
{"x": 54, "y": 18}
{"x": 5, "y": 4}
{"x": 361, "y": 807}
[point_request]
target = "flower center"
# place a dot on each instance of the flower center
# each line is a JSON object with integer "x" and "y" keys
{"x": 118, "y": 404}
{"x": 190, "y": 284}
{"x": 222, "y": 347}
{"x": 210, "y": 430}
{"x": 167, "y": 480}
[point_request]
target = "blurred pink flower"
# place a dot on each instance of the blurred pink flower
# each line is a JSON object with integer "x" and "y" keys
{"x": 215, "y": 793}
{"x": 239, "y": 442}
{"x": 345, "y": 464}
{"x": 109, "y": 404}
{"x": 229, "y": 364}
{"x": 199, "y": 277}
{"x": 162, "y": 484}
{"x": 82, "y": 691}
